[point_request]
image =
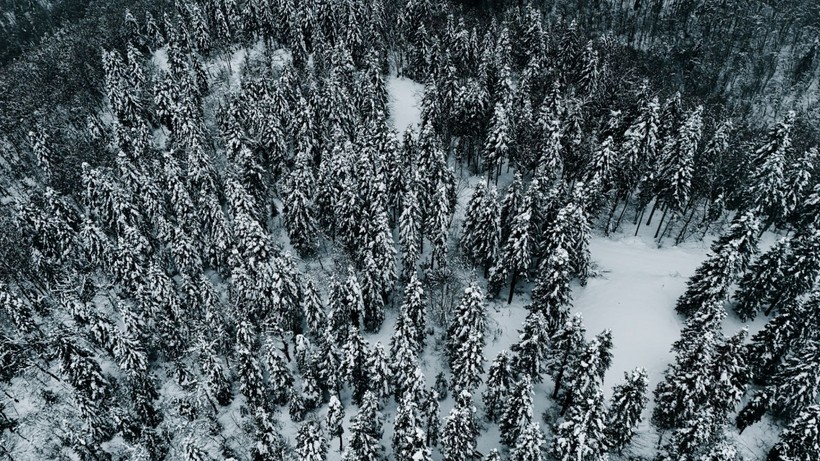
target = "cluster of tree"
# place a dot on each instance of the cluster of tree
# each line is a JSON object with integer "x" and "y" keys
{"x": 168, "y": 278}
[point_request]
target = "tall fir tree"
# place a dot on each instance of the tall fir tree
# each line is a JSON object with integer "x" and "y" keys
{"x": 801, "y": 439}
{"x": 581, "y": 436}
{"x": 311, "y": 444}
{"x": 517, "y": 413}
{"x": 730, "y": 257}
{"x": 626, "y": 405}
{"x": 458, "y": 438}
{"x": 532, "y": 349}
{"x": 469, "y": 318}
{"x": 499, "y": 386}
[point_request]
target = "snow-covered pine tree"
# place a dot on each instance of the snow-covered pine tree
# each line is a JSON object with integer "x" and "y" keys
{"x": 414, "y": 310}
{"x": 626, "y": 405}
{"x": 517, "y": 413}
{"x": 532, "y": 349}
{"x": 431, "y": 414}
{"x": 693, "y": 437}
{"x": 603, "y": 164}
{"x": 470, "y": 317}
{"x": 730, "y": 257}
{"x": 781, "y": 335}
{"x": 686, "y": 386}
{"x": 299, "y": 216}
{"x": 796, "y": 385}
{"x": 517, "y": 253}
{"x": 587, "y": 373}
{"x": 800, "y": 271}
{"x": 510, "y": 205}
{"x": 279, "y": 376}
{"x": 458, "y": 438}
{"x": 640, "y": 146}
{"x": 801, "y": 439}
{"x": 346, "y": 306}
{"x": 378, "y": 371}
{"x": 468, "y": 364}
{"x": 799, "y": 176}
{"x": 403, "y": 356}
{"x": 530, "y": 444}
{"x": 312, "y": 309}
{"x": 756, "y": 286}
{"x": 311, "y": 444}
{"x": 215, "y": 376}
{"x": 499, "y": 139}
{"x": 722, "y": 451}
{"x": 409, "y": 438}
{"x": 566, "y": 344}
{"x": 481, "y": 238}
{"x": 499, "y": 385}
{"x": 471, "y": 229}
{"x": 438, "y": 224}
{"x": 551, "y": 133}
{"x": 334, "y": 419}
{"x": 675, "y": 181}
{"x": 730, "y": 374}
{"x": 410, "y": 231}
{"x": 365, "y": 433}
{"x": 581, "y": 436}
{"x": 380, "y": 272}
{"x": 552, "y": 295}
{"x": 269, "y": 445}
{"x": 356, "y": 351}
{"x": 767, "y": 181}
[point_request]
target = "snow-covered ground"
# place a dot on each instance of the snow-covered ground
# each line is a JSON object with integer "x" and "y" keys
{"x": 404, "y": 102}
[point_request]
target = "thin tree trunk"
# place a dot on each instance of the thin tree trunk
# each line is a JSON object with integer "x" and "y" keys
{"x": 652, "y": 213}
{"x": 663, "y": 216}
{"x": 639, "y": 220}
{"x": 512, "y": 286}
{"x": 560, "y": 376}
{"x": 668, "y": 227}
{"x": 623, "y": 212}
{"x": 611, "y": 215}
{"x": 566, "y": 404}
{"x": 682, "y": 232}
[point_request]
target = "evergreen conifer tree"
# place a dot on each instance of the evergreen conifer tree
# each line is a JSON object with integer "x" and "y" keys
{"x": 800, "y": 440}
{"x": 530, "y": 444}
{"x": 458, "y": 438}
{"x": 730, "y": 257}
{"x": 566, "y": 343}
{"x": 311, "y": 444}
{"x": 333, "y": 420}
{"x": 517, "y": 412}
{"x": 625, "y": 408}
{"x": 378, "y": 371}
{"x": 581, "y": 436}
{"x": 517, "y": 253}
{"x": 532, "y": 348}
{"x": 499, "y": 386}
{"x": 552, "y": 295}
{"x": 469, "y": 319}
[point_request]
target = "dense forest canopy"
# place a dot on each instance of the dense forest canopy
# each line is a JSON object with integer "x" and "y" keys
{"x": 215, "y": 243}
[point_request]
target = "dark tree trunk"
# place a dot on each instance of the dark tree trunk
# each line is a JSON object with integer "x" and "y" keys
{"x": 663, "y": 216}
{"x": 512, "y": 286}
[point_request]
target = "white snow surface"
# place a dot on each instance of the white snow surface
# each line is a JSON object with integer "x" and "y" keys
{"x": 404, "y": 102}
